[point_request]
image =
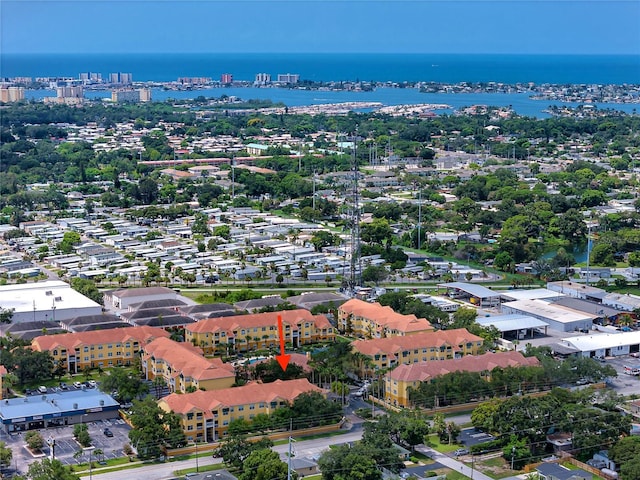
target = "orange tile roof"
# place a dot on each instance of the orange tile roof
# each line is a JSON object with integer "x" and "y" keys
{"x": 71, "y": 341}
{"x": 238, "y": 322}
{"x": 392, "y": 345}
{"x": 287, "y": 390}
{"x": 186, "y": 359}
{"x": 423, "y": 371}
{"x": 385, "y": 316}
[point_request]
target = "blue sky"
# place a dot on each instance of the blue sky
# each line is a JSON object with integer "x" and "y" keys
{"x": 302, "y": 26}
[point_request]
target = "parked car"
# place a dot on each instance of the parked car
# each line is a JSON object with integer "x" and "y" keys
{"x": 635, "y": 354}
{"x": 107, "y": 432}
{"x": 77, "y": 384}
{"x": 42, "y": 389}
{"x": 63, "y": 386}
{"x": 461, "y": 451}
{"x": 92, "y": 383}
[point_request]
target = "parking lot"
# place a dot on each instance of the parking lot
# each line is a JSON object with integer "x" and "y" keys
{"x": 66, "y": 446}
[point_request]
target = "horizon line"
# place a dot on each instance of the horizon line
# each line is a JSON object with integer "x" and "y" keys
{"x": 555, "y": 54}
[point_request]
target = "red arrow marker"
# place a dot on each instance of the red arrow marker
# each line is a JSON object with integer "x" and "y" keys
{"x": 283, "y": 358}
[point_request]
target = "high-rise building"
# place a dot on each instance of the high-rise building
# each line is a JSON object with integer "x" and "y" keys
{"x": 263, "y": 78}
{"x": 288, "y": 78}
{"x": 67, "y": 95}
{"x": 11, "y": 94}
{"x": 121, "y": 78}
{"x": 132, "y": 96}
{"x": 226, "y": 78}
{"x": 90, "y": 77}
{"x": 145, "y": 94}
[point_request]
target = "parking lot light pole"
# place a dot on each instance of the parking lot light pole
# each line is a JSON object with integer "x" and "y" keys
{"x": 90, "y": 450}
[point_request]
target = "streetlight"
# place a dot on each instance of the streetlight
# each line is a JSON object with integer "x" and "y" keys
{"x": 52, "y": 445}
{"x": 196, "y": 455}
{"x": 90, "y": 450}
{"x": 513, "y": 455}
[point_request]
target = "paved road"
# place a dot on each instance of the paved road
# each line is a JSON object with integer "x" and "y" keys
{"x": 302, "y": 448}
{"x": 452, "y": 463}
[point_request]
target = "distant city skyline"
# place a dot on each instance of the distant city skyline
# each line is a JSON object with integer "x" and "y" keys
{"x": 321, "y": 26}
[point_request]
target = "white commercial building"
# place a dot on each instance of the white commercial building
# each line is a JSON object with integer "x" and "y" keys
{"x": 563, "y": 319}
{"x": 124, "y": 297}
{"x": 604, "y": 345}
{"x": 52, "y": 300}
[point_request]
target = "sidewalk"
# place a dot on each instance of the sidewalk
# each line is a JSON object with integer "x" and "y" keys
{"x": 452, "y": 463}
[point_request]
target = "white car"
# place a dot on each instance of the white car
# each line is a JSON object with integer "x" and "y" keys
{"x": 42, "y": 389}
{"x": 77, "y": 384}
{"x": 92, "y": 383}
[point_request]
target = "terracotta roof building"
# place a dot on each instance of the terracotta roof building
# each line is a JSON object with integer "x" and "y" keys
{"x": 421, "y": 347}
{"x": 401, "y": 378}
{"x": 183, "y": 366}
{"x": 372, "y": 320}
{"x": 260, "y": 330}
{"x": 205, "y": 415}
{"x": 96, "y": 348}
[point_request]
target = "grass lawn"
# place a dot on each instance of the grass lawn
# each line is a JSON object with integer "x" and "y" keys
{"x": 203, "y": 468}
{"x": 434, "y": 442}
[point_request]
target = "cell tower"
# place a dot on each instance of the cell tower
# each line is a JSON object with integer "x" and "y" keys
{"x": 356, "y": 264}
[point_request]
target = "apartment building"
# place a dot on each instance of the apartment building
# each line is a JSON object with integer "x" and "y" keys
{"x": 205, "y": 415}
{"x": 183, "y": 366}
{"x": 260, "y": 330}
{"x": 399, "y": 380}
{"x": 372, "y": 320}
{"x": 97, "y": 348}
{"x": 11, "y": 94}
{"x": 421, "y": 347}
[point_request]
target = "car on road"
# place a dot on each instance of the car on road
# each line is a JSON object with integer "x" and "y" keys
{"x": 107, "y": 432}
{"x": 461, "y": 451}
{"x": 77, "y": 384}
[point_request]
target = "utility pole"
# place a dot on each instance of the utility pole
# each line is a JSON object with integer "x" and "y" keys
{"x": 419, "y": 213}
{"x": 291, "y": 453}
{"x": 196, "y": 455}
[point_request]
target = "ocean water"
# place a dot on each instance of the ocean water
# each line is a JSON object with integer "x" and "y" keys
{"x": 559, "y": 69}
{"x": 520, "y": 102}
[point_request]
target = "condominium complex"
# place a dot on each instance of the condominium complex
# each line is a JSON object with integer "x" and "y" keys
{"x": 205, "y": 415}
{"x": 122, "y": 78}
{"x": 399, "y": 380}
{"x": 73, "y": 95}
{"x": 226, "y": 78}
{"x": 11, "y": 94}
{"x": 131, "y": 96}
{"x": 263, "y": 78}
{"x": 372, "y": 320}
{"x": 183, "y": 367}
{"x": 97, "y": 348}
{"x": 288, "y": 78}
{"x": 260, "y": 330}
{"x": 421, "y": 347}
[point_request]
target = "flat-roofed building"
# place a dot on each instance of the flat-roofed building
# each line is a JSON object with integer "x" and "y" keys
{"x": 421, "y": 347}
{"x": 124, "y": 297}
{"x": 372, "y": 320}
{"x": 56, "y": 409}
{"x": 96, "y": 348}
{"x": 183, "y": 367}
{"x": 558, "y": 317}
{"x": 205, "y": 415}
{"x": 399, "y": 380}
{"x": 259, "y": 330}
{"x": 45, "y": 301}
